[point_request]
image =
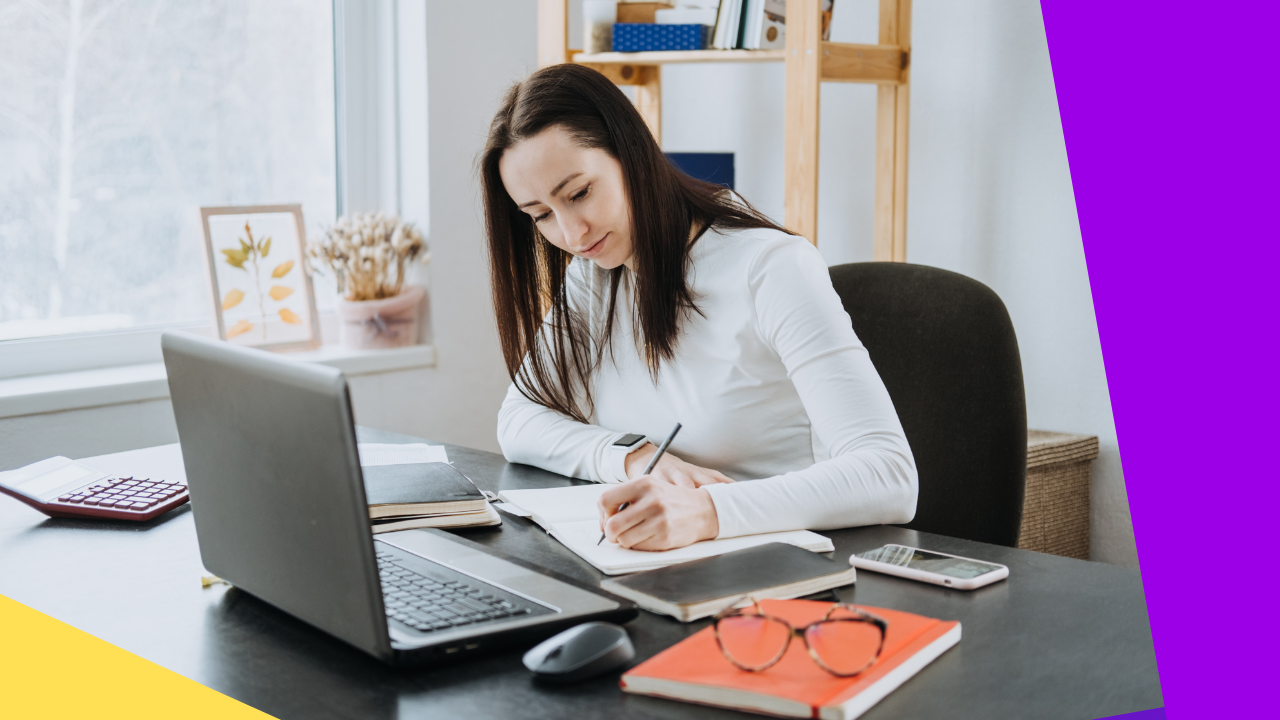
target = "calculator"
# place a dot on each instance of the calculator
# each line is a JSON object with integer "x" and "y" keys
{"x": 59, "y": 487}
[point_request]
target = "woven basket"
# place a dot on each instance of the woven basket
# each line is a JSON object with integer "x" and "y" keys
{"x": 1055, "y": 514}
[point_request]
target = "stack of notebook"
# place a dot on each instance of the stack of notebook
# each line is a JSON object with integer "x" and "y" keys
{"x": 424, "y": 495}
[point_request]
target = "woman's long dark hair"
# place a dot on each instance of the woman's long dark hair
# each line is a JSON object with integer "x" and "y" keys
{"x": 552, "y": 366}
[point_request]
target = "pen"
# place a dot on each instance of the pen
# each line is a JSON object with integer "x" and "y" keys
{"x": 652, "y": 463}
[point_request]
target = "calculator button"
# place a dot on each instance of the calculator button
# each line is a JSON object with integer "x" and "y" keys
{"x": 139, "y": 505}
{"x": 91, "y": 501}
{"x": 122, "y": 503}
{"x": 76, "y": 499}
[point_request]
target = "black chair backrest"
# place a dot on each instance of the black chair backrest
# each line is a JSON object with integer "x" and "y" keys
{"x": 944, "y": 345}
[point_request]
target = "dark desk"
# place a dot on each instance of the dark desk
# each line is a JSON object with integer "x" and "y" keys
{"x": 1060, "y": 639}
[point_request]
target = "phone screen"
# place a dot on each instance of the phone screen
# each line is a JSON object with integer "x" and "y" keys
{"x": 928, "y": 562}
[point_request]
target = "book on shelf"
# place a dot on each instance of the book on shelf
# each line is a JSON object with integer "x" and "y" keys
{"x": 696, "y": 670}
{"x": 569, "y": 515}
{"x": 758, "y": 24}
{"x": 725, "y": 34}
{"x": 701, "y": 588}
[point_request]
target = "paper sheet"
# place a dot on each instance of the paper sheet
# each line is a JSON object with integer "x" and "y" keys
{"x": 372, "y": 454}
{"x": 613, "y": 559}
{"x": 512, "y": 509}
{"x": 551, "y": 506}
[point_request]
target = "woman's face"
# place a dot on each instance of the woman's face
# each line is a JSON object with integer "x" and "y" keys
{"x": 574, "y": 194}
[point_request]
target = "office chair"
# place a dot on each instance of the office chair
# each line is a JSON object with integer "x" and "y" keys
{"x": 945, "y": 348}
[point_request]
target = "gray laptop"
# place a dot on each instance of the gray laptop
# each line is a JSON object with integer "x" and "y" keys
{"x": 270, "y": 452}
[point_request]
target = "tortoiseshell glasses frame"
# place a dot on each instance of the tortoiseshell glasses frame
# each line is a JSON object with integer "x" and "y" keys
{"x": 855, "y": 615}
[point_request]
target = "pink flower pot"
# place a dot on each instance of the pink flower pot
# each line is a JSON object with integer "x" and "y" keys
{"x": 388, "y": 323}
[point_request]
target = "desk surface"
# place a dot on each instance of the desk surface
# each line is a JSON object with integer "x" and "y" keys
{"x": 1060, "y": 638}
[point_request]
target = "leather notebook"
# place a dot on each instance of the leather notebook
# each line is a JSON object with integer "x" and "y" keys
{"x": 701, "y": 588}
{"x": 419, "y": 489}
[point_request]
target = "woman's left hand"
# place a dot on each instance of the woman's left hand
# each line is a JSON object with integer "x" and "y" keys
{"x": 659, "y": 515}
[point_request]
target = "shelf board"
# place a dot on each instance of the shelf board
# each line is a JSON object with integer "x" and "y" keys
{"x": 665, "y": 57}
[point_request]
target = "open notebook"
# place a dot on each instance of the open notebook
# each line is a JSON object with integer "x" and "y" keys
{"x": 569, "y": 514}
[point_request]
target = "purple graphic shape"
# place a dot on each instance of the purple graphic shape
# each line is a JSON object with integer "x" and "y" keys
{"x": 1169, "y": 112}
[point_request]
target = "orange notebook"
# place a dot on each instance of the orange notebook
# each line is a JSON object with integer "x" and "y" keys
{"x": 694, "y": 670}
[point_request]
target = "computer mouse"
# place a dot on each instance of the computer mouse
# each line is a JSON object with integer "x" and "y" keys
{"x": 580, "y": 652}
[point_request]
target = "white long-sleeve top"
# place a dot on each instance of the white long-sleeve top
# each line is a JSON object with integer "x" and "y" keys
{"x": 772, "y": 386}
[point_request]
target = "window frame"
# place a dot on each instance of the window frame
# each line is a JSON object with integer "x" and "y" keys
{"x": 380, "y": 92}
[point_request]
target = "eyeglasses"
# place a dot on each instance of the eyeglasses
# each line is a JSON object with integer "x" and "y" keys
{"x": 845, "y": 642}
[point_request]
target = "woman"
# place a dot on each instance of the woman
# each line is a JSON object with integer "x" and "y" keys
{"x": 630, "y": 296}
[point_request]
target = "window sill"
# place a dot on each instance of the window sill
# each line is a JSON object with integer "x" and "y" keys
{"x": 55, "y": 392}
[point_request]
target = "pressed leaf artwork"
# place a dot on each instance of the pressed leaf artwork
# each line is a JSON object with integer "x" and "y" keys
{"x": 239, "y": 328}
{"x": 246, "y": 258}
{"x": 236, "y": 258}
{"x": 232, "y": 299}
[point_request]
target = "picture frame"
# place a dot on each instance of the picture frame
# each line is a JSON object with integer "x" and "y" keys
{"x": 262, "y": 291}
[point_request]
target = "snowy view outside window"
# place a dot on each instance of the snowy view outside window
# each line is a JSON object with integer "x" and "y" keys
{"x": 120, "y": 118}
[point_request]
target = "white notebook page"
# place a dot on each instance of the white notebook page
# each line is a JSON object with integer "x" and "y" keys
{"x": 569, "y": 514}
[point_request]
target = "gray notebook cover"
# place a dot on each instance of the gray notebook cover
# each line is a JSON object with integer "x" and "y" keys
{"x": 733, "y": 574}
{"x": 417, "y": 484}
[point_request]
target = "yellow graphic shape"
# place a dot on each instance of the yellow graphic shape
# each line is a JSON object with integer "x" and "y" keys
{"x": 282, "y": 269}
{"x": 232, "y": 299}
{"x": 49, "y": 669}
{"x": 287, "y": 315}
{"x": 279, "y": 292}
{"x": 239, "y": 328}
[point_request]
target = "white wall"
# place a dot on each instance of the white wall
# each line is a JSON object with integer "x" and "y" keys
{"x": 989, "y": 191}
{"x": 475, "y": 50}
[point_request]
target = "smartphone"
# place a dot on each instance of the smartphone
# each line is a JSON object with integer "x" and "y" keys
{"x": 937, "y": 568}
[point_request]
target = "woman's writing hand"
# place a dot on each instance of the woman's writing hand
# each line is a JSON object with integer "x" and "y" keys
{"x": 672, "y": 469}
{"x": 660, "y": 515}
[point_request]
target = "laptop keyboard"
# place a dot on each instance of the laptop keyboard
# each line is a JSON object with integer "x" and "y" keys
{"x": 444, "y": 599}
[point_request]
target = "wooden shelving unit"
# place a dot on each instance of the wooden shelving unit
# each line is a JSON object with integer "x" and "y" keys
{"x": 810, "y": 62}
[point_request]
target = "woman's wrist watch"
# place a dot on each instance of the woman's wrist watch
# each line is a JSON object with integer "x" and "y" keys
{"x": 618, "y": 452}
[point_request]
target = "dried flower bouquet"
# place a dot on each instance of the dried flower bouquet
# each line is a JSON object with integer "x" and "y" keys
{"x": 367, "y": 253}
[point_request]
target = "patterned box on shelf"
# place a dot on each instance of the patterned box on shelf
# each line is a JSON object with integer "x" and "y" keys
{"x": 1055, "y": 513}
{"x": 642, "y": 37}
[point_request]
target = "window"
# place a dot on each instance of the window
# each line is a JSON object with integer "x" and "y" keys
{"x": 119, "y": 119}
